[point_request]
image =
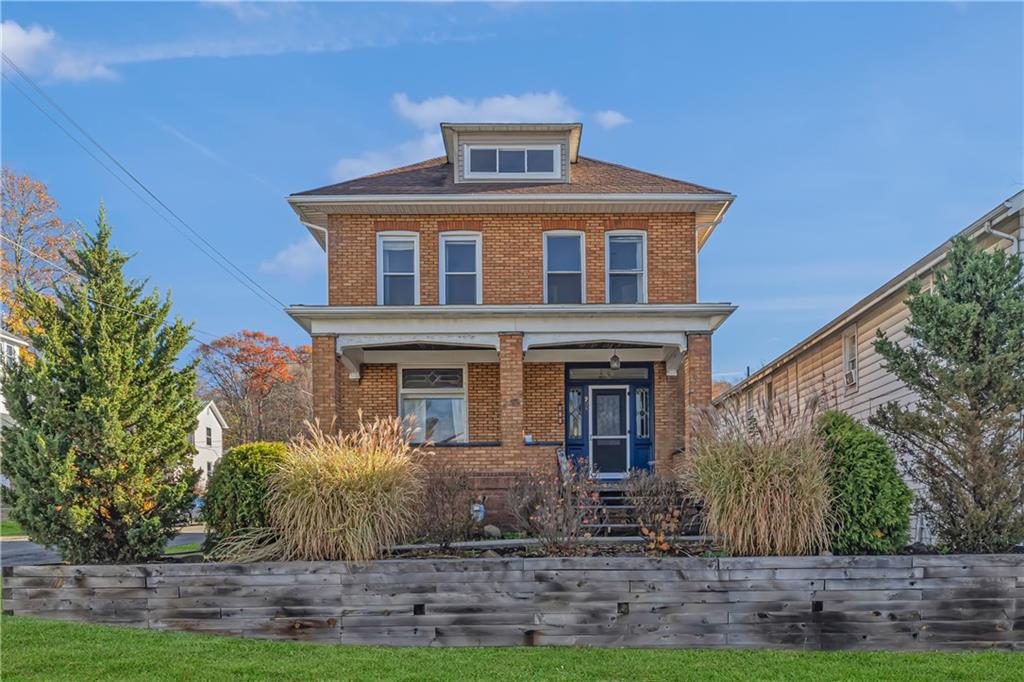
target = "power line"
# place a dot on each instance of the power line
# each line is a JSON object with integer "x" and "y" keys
{"x": 94, "y": 301}
{"x": 138, "y": 182}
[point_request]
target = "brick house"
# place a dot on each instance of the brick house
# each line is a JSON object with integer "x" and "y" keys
{"x": 515, "y": 298}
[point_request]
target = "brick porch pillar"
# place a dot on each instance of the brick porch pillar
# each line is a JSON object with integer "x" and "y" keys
{"x": 696, "y": 377}
{"x": 510, "y": 382}
{"x": 325, "y": 380}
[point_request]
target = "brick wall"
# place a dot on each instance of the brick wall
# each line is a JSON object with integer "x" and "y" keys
{"x": 484, "y": 408}
{"x": 696, "y": 371}
{"x": 512, "y": 254}
{"x": 544, "y": 392}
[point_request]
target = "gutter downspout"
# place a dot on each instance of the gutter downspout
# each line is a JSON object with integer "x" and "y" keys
{"x": 1014, "y": 239}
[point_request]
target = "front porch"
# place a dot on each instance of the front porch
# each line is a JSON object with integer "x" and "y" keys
{"x": 498, "y": 390}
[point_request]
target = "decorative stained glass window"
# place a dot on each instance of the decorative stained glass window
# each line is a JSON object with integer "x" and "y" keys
{"x": 575, "y": 413}
{"x": 643, "y": 413}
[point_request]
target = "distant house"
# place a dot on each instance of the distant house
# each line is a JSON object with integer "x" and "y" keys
{"x": 839, "y": 362}
{"x": 208, "y": 440}
{"x": 10, "y": 347}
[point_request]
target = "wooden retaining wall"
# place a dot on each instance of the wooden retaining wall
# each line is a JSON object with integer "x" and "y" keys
{"x": 889, "y": 602}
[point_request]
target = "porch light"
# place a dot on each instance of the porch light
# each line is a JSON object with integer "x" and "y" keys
{"x": 615, "y": 362}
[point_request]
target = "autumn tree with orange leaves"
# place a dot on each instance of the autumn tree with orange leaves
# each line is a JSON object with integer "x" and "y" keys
{"x": 259, "y": 383}
{"x": 34, "y": 241}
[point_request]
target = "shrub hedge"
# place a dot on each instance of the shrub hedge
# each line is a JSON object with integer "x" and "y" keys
{"x": 872, "y": 503}
{"x": 237, "y": 490}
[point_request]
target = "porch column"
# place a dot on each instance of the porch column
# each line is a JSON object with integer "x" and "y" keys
{"x": 696, "y": 377}
{"x": 325, "y": 380}
{"x": 510, "y": 381}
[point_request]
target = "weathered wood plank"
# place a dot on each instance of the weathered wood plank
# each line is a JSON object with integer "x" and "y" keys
{"x": 915, "y": 603}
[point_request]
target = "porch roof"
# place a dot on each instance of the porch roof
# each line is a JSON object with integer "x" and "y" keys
{"x": 551, "y": 333}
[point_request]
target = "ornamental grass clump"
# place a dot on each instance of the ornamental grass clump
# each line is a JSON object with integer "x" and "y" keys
{"x": 763, "y": 482}
{"x": 337, "y": 497}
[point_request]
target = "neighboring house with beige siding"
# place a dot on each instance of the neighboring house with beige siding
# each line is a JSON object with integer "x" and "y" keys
{"x": 838, "y": 362}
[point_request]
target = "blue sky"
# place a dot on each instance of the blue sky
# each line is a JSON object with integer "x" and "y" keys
{"x": 856, "y": 136}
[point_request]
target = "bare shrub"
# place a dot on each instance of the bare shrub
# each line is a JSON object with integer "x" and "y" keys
{"x": 337, "y": 497}
{"x": 658, "y": 502}
{"x": 445, "y": 506}
{"x": 558, "y": 509}
{"x": 763, "y": 480}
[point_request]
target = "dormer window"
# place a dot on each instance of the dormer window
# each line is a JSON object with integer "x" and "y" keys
{"x": 530, "y": 162}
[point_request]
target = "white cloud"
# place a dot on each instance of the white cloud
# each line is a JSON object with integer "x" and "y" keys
{"x": 530, "y": 107}
{"x": 424, "y": 147}
{"x": 41, "y": 51}
{"x": 26, "y": 46}
{"x": 299, "y": 260}
{"x": 609, "y": 118}
{"x": 244, "y": 11}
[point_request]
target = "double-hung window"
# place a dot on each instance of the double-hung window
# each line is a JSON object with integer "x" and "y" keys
{"x": 529, "y": 162}
{"x": 563, "y": 267}
{"x": 209, "y": 436}
{"x": 626, "y": 265}
{"x": 460, "y": 268}
{"x": 434, "y": 400}
{"x": 851, "y": 369}
{"x": 398, "y": 273}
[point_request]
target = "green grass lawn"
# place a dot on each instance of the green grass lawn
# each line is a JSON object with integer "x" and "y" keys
{"x": 45, "y": 650}
{"x": 182, "y": 549}
{"x": 8, "y": 528}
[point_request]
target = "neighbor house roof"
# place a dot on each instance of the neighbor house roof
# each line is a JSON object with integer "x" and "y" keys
{"x": 436, "y": 176}
{"x": 212, "y": 406}
{"x": 996, "y": 219}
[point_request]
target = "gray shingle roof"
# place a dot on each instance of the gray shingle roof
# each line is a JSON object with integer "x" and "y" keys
{"x": 435, "y": 176}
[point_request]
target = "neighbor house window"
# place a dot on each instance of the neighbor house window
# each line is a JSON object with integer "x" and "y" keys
{"x": 398, "y": 273}
{"x": 209, "y": 436}
{"x": 563, "y": 267}
{"x": 209, "y": 470}
{"x": 10, "y": 354}
{"x": 626, "y": 265}
{"x": 434, "y": 399}
{"x": 461, "y": 281}
{"x": 528, "y": 162}
{"x": 850, "y": 365}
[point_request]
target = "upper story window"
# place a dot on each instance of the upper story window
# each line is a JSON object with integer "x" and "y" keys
{"x": 398, "y": 272}
{"x": 209, "y": 436}
{"x": 626, "y": 265}
{"x": 461, "y": 281}
{"x": 850, "y": 365}
{"x": 513, "y": 162}
{"x": 9, "y": 354}
{"x": 563, "y": 267}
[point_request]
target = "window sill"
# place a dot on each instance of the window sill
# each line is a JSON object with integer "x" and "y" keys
{"x": 543, "y": 443}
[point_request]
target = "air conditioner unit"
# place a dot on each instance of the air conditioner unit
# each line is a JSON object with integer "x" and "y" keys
{"x": 851, "y": 378}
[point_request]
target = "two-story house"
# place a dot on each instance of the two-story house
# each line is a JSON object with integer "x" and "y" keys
{"x": 208, "y": 439}
{"x": 515, "y": 297}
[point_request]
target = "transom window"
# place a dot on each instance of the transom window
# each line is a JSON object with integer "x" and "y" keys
{"x": 434, "y": 399}
{"x": 563, "y": 267}
{"x": 530, "y": 161}
{"x": 398, "y": 275}
{"x": 626, "y": 265}
{"x": 460, "y": 269}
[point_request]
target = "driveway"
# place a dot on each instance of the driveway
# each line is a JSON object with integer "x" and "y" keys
{"x": 21, "y": 552}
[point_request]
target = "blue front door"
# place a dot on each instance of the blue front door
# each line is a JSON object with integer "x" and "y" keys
{"x": 609, "y": 417}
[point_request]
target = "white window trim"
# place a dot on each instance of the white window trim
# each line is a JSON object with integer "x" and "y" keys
{"x": 851, "y": 333}
{"x": 437, "y": 392}
{"x": 398, "y": 235}
{"x": 460, "y": 236}
{"x": 555, "y": 174}
{"x": 608, "y": 262}
{"x": 583, "y": 260}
